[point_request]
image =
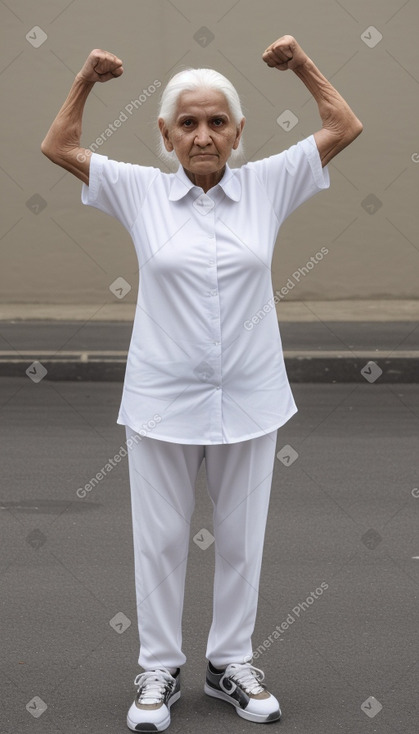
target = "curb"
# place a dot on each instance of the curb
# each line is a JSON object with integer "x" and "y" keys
{"x": 333, "y": 368}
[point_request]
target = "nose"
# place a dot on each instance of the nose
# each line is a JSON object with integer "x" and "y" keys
{"x": 202, "y": 136}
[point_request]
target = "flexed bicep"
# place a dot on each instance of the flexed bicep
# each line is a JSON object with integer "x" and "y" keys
{"x": 62, "y": 142}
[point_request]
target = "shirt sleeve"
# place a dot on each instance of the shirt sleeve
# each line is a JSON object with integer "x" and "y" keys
{"x": 117, "y": 188}
{"x": 291, "y": 177}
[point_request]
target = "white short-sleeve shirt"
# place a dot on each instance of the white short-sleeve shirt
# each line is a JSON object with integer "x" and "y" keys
{"x": 199, "y": 370}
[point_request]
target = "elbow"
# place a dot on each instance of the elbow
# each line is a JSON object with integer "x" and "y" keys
{"x": 355, "y": 128}
{"x": 358, "y": 128}
{"x": 49, "y": 151}
{"x": 45, "y": 149}
{"x": 351, "y": 132}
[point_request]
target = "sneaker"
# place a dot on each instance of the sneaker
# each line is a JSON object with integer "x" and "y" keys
{"x": 157, "y": 690}
{"x": 240, "y": 685}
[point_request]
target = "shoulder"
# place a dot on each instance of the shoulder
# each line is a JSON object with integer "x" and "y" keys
{"x": 118, "y": 169}
{"x": 289, "y": 157}
{"x": 301, "y": 161}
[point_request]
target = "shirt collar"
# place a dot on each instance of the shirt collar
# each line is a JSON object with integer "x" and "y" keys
{"x": 181, "y": 184}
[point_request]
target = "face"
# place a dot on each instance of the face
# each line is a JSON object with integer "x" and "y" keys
{"x": 203, "y": 134}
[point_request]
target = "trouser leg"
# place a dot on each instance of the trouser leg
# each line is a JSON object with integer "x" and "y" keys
{"x": 239, "y": 478}
{"x": 162, "y": 479}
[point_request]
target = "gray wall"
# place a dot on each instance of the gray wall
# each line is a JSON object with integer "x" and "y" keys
{"x": 54, "y": 250}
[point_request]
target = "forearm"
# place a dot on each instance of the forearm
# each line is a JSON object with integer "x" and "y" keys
{"x": 340, "y": 125}
{"x": 65, "y": 132}
{"x": 336, "y": 115}
{"x": 62, "y": 141}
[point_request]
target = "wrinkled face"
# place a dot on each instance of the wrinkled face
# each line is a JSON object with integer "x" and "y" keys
{"x": 203, "y": 132}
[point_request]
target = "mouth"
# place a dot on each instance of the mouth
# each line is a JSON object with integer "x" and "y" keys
{"x": 203, "y": 155}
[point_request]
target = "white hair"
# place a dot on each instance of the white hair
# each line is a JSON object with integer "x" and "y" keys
{"x": 191, "y": 80}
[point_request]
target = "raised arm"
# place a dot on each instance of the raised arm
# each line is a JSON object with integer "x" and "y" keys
{"x": 340, "y": 124}
{"x": 62, "y": 141}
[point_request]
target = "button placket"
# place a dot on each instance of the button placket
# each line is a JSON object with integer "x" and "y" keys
{"x": 206, "y": 208}
{"x": 204, "y": 204}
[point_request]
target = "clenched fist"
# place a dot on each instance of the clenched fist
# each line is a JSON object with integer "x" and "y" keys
{"x": 100, "y": 66}
{"x": 285, "y": 53}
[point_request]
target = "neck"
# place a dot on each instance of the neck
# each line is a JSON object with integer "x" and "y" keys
{"x": 206, "y": 180}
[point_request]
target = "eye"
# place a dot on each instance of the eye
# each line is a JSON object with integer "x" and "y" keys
{"x": 187, "y": 121}
{"x": 220, "y": 120}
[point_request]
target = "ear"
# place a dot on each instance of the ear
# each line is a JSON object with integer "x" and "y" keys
{"x": 239, "y": 133}
{"x": 165, "y": 134}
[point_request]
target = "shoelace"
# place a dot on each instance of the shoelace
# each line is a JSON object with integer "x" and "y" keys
{"x": 153, "y": 684}
{"x": 247, "y": 676}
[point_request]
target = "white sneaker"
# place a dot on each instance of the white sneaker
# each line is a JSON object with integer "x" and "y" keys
{"x": 157, "y": 690}
{"x": 239, "y": 684}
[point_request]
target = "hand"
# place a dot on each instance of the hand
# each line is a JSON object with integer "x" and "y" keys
{"x": 285, "y": 53}
{"x": 100, "y": 66}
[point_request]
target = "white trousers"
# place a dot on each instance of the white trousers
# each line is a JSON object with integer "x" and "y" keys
{"x": 162, "y": 478}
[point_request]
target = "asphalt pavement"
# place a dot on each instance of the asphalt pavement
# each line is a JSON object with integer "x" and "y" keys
{"x": 339, "y": 581}
{"x": 325, "y": 350}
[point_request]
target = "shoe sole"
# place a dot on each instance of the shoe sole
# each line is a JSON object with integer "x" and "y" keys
{"x": 257, "y": 718}
{"x": 149, "y": 727}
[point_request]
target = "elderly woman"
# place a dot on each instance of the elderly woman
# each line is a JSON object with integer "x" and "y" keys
{"x": 204, "y": 377}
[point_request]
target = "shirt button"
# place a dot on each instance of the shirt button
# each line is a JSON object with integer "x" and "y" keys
{"x": 218, "y": 387}
{"x": 213, "y": 293}
{"x": 216, "y": 343}
{"x": 211, "y": 262}
{"x": 203, "y": 204}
